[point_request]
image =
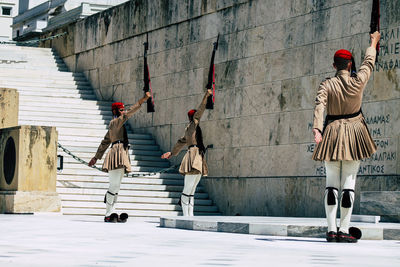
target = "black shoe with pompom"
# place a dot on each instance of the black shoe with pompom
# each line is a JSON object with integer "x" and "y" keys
{"x": 331, "y": 236}
{"x": 346, "y": 238}
{"x": 123, "y": 217}
{"x": 113, "y": 218}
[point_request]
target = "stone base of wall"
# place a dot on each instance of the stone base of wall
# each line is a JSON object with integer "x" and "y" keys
{"x": 284, "y": 196}
{"x": 28, "y": 202}
{"x": 383, "y": 203}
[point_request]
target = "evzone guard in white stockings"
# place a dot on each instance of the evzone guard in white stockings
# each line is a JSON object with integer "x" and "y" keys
{"x": 193, "y": 164}
{"x": 117, "y": 161}
{"x": 343, "y": 140}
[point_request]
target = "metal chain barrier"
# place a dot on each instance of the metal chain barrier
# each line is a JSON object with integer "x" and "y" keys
{"x": 127, "y": 174}
{"x": 34, "y": 41}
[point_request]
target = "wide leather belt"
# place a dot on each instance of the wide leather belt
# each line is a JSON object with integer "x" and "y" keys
{"x": 331, "y": 118}
{"x": 116, "y": 142}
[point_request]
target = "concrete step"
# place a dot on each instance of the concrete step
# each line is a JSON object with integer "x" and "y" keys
{"x": 29, "y": 82}
{"x": 103, "y": 175}
{"x": 64, "y": 105}
{"x": 135, "y": 168}
{"x": 79, "y": 103}
{"x": 141, "y": 144}
{"x": 133, "y": 151}
{"x": 35, "y": 65}
{"x": 276, "y": 226}
{"x": 131, "y": 213}
{"x": 132, "y": 186}
{"x": 57, "y": 93}
{"x": 77, "y": 126}
{"x": 34, "y": 60}
{"x": 88, "y": 156}
{"x": 9, "y": 48}
{"x": 138, "y": 180}
{"x": 40, "y": 81}
{"x": 38, "y": 110}
{"x": 130, "y": 199}
{"x": 72, "y": 95}
{"x": 134, "y": 206}
{"x": 128, "y": 193}
{"x": 149, "y": 150}
{"x": 145, "y": 152}
{"x": 44, "y": 91}
{"x": 40, "y": 74}
{"x": 69, "y": 162}
{"x": 31, "y": 86}
{"x": 26, "y": 118}
{"x": 97, "y": 139}
{"x": 85, "y": 170}
{"x": 57, "y": 113}
{"x": 101, "y": 133}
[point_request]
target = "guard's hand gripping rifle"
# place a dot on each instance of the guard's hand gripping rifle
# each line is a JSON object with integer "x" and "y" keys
{"x": 146, "y": 78}
{"x": 211, "y": 77}
{"x": 375, "y": 25}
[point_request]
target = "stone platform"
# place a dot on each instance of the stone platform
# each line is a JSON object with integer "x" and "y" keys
{"x": 277, "y": 226}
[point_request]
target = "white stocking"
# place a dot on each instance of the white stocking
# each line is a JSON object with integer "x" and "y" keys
{"x": 115, "y": 177}
{"x": 349, "y": 174}
{"x": 191, "y": 182}
{"x": 332, "y": 181}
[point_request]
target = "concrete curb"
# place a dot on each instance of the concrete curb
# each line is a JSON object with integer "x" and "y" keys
{"x": 276, "y": 226}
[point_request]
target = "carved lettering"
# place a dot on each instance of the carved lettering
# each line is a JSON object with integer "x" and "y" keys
{"x": 371, "y": 169}
{"x": 6, "y": 61}
{"x": 378, "y": 119}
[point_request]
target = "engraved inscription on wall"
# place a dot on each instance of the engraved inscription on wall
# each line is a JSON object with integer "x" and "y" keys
{"x": 389, "y": 53}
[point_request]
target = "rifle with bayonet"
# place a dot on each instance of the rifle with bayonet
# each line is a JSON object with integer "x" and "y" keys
{"x": 375, "y": 25}
{"x": 211, "y": 77}
{"x": 146, "y": 78}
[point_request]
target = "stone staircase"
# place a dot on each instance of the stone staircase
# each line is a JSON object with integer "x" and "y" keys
{"x": 50, "y": 95}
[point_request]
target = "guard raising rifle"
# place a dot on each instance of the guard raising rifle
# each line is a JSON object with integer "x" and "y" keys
{"x": 117, "y": 161}
{"x": 343, "y": 140}
{"x": 193, "y": 164}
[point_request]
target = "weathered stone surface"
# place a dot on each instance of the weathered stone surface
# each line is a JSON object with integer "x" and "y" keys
{"x": 268, "y": 229}
{"x": 241, "y": 228}
{"x": 380, "y": 203}
{"x": 309, "y": 231}
{"x": 28, "y": 202}
{"x": 271, "y": 58}
{"x": 9, "y": 104}
{"x": 184, "y": 224}
{"x": 36, "y": 158}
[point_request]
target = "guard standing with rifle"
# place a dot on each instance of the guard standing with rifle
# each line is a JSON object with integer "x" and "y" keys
{"x": 343, "y": 140}
{"x": 117, "y": 161}
{"x": 193, "y": 164}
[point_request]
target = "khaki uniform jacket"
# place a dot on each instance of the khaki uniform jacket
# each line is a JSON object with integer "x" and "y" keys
{"x": 193, "y": 162}
{"x": 117, "y": 157}
{"x": 344, "y": 139}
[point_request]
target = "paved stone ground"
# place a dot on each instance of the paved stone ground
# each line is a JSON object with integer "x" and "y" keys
{"x": 280, "y": 226}
{"x": 55, "y": 240}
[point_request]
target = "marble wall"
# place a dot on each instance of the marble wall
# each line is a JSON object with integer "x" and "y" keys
{"x": 272, "y": 56}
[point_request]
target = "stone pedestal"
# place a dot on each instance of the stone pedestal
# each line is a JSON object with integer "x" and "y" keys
{"x": 28, "y": 169}
{"x": 8, "y": 107}
{"x": 383, "y": 203}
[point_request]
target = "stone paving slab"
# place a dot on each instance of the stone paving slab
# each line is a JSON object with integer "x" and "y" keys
{"x": 57, "y": 240}
{"x": 277, "y": 226}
